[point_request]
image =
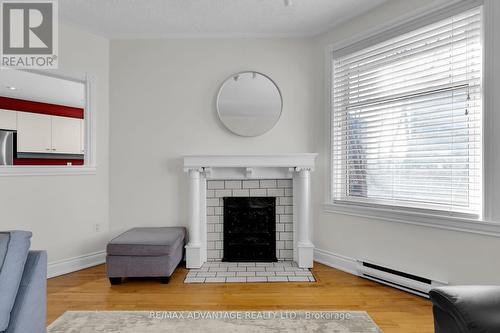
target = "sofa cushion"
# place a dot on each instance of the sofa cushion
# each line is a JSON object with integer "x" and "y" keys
{"x": 147, "y": 241}
{"x": 12, "y": 271}
{"x": 4, "y": 242}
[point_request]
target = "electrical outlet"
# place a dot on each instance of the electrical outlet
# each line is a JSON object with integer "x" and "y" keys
{"x": 97, "y": 227}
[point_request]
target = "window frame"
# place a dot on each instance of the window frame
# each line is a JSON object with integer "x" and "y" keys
{"x": 90, "y": 166}
{"x": 426, "y": 217}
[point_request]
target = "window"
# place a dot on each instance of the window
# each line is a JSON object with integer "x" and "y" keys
{"x": 406, "y": 119}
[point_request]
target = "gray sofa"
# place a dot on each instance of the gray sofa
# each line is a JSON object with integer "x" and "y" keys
{"x": 23, "y": 284}
{"x": 145, "y": 252}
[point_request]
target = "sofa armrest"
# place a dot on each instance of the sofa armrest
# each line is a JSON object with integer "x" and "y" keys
{"x": 467, "y": 309}
{"x": 29, "y": 311}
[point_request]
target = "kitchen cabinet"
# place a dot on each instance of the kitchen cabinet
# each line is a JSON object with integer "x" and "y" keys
{"x": 34, "y": 133}
{"x": 8, "y": 119}
{"x": 66, "y": 135}
{"x": 82, "y": 136}
{"x": 40, "y": 133}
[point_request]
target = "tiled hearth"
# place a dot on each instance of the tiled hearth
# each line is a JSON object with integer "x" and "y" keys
{"x": 230, "y": 272}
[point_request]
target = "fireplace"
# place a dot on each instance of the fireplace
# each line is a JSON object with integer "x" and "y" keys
{"x": 284, "y": 177}
{"x": 249, "y": 229}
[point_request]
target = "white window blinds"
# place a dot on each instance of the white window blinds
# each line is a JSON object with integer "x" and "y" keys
{"x": 407, "y": 119}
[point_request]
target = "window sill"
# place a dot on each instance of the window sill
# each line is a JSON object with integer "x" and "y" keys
{"x": 28, "y": 170}
{"x": 416, "y": 218}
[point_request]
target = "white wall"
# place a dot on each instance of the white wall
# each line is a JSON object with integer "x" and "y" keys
{"x": 455, "y": 257}
{"x": 162, "y": 95}
{"x": 61, "y": 210}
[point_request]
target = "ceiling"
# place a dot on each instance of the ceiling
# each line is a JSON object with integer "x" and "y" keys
{"x": 121, "y": 19}
{"x": 41, "y": 88}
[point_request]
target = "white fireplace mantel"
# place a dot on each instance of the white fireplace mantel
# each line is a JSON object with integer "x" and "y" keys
{"x": 262, "y": 160}
{"x": 269, "y": 166}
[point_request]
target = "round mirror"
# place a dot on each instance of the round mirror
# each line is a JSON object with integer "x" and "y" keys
{"x": 249, "y": 103}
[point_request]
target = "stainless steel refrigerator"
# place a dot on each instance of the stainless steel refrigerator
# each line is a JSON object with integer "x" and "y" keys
{"x": 6, "y": 147}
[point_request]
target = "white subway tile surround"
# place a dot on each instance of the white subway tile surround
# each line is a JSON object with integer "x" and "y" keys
{"x": 279, "y": 188}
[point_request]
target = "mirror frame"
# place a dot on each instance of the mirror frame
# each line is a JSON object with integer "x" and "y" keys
{"x": 219, "y": 91}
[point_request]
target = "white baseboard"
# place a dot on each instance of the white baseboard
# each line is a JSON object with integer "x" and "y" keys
{"x": 337, "y": 261}
{"x": 69, "y": 265}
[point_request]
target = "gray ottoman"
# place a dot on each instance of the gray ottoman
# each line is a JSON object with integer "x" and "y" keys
{"x": 145, "y": 252}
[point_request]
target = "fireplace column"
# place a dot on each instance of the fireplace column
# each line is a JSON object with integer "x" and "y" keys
{"x": 194, "y": 247}
{"x": 305, "y": 247}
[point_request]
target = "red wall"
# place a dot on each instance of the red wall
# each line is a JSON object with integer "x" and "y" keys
{"x": 45, "y": 161}
{"x": 43, "y": 108}
{"x": 39, "y": 107}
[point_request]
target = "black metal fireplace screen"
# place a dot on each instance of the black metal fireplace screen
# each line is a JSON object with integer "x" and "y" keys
{"x": 249, "y": 229}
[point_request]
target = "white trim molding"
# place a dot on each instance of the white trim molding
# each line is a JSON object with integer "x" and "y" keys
{"x": 416, "y": 218}
{"x": 343, "y": 263}
{"x": 491, "y": 101}
{"x": 401, "y": 24}
{"x": 29, "y": 170}
{"x": 74, "y": 264}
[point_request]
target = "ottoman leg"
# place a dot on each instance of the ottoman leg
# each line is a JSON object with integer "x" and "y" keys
{"x": 165, "y": 279}
{"x": 115, "y": 280}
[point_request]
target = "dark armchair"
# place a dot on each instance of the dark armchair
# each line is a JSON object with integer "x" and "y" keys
{"x": 466, "y": 309}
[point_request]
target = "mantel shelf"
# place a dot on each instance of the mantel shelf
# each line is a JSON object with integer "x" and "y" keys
{"x": 296, "y": 160}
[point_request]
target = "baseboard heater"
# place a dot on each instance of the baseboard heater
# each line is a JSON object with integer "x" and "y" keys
{"x": 408, "y": 282}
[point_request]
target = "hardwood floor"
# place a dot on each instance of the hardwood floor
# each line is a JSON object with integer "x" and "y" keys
{"x": 392, "y": 310}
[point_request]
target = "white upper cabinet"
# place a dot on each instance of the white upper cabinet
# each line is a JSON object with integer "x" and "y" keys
{"x": 8, "y": 119}
{"x": 34, "y": 133}
{"x": 40, "y": 133}
{"x": 66, "y": 136}
{"x": 82, "y": 136}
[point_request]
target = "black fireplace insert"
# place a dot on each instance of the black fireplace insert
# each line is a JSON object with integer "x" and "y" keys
{"x": 249, "y": 229}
